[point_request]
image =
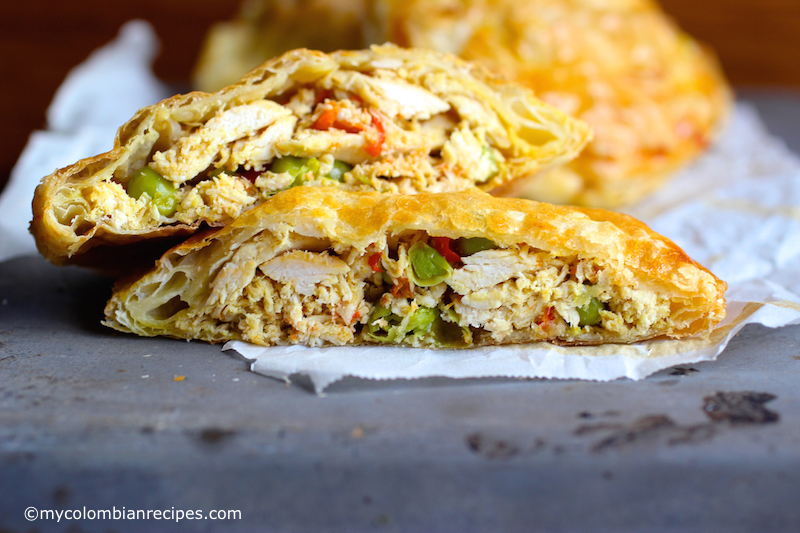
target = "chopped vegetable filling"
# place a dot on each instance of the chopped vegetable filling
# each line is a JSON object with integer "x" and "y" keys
{"x": 402, "y": 139}
{"x": 160, "y": 191}
{"x": 428, "y": 267}
{"x": 404, "y": 291}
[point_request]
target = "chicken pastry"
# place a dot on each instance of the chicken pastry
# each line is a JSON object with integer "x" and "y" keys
{"x": 386, "y": 119}
{"x": 324, "y": 266}
{"x": 654, "y": 96}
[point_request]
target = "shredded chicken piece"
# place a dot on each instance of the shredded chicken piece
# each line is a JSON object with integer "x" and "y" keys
{"x": 406, "y": 100}
{"x": 489, "y": 268}
{"x": 304, "y": 270}
{"x": 347, "y": 147}
{"x": 122, "y": 212}
{"x": 393, "y": 97}
{"x": 256, "y": 152}
{"x": 193, "y": 154}
{"x": 223, "y": 197}
{"x": 466, "y": 152}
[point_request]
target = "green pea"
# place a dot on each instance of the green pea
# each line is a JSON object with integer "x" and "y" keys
{"x": 468, "y": 246}
{"x": 487, "y": 155}
{"x": 297, "y": 167}
{"x": 589, "y": 313}
{"x": 161, "y": 191}
{"x": 425, "y": 322}
{"x": 313, "y": 165}
{"x": 338, "y": 171}
{"x": 379, "y": 311}
{"x": 449, "y": 334}
{"x": 293, "y": 165}
{"x": 422, "y": 320}
{"x": 428, "y": 267}
{"x": 216, "y": 172}
{"x": 448, "y": 311}
{"x": 382, "y": 333}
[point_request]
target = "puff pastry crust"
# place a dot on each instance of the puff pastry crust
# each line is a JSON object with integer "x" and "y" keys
{"x": 323, "y": 266}
{"x": 654, "y": 96}
{"x": 386, "y": 119}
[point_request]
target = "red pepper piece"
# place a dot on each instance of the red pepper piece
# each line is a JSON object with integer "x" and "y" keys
{"x": 349, "y": 128}
{"x": 547, "y": 318}
{"x": 402, "y": 289}
{"x": 329, "y": 118}
{"x": 374, "y": 146}
{"x": 250, "y": 175}
{"x": 375, "y": 262}
{"x": 444, "y": 245}
{"x": 325, "y": 120}
{"x": 323, "y": 95}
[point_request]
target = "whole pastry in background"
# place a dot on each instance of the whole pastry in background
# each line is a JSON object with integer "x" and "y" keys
{"x": 388, "y": 119}
{"x": 655, "y": 97}
{"x": 265, "y": 29}
{"x": 323, "y": 266}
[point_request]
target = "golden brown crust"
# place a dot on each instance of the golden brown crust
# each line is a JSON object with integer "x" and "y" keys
{"x": 633, "y": 254}
{"x": 69, "y": 216}
{"x": 357, "y": 219}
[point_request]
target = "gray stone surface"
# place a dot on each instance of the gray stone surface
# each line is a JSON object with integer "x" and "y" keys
{"x": 91, "y": 418}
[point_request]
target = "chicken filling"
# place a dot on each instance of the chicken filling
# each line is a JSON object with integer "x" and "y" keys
{"x": 349, "y": 130}
{"x": 420, "y": 290}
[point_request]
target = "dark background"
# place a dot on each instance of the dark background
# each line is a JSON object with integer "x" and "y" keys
{"x": 758, "y": 42}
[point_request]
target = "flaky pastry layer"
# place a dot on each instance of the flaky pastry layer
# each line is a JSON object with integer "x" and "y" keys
{"x": 386, "y": 119}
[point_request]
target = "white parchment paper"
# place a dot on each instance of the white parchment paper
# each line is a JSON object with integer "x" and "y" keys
{"x": 737, "y": 211}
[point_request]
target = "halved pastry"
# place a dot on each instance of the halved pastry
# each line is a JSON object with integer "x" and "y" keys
{"x": 322, "y": 266}
{"x": 385, "y": 119}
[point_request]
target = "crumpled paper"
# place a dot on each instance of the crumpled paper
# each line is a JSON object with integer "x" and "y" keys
{"x": 737, "y": 211}
{"x": 95, "y": 99}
